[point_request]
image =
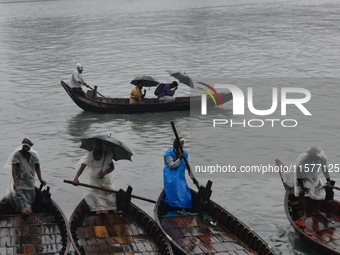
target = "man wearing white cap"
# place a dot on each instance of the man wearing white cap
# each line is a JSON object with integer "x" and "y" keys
{"x": 24, "y": 164}
{"x": 309, "y": 166}
{"x": 77, "y": 81}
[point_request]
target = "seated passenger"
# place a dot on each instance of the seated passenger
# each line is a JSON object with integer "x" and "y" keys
{"x": 136, "y": 96}
{"x": 168, "y": 91}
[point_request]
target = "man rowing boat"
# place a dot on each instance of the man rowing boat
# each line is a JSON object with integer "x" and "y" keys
{"x": 309, "y": 166}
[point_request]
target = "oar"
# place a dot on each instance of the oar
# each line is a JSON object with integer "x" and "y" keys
{"x": 93, "y": 90}
{"x": 186, "y": 161}
{"x": 333, "y": 187}
{"x": 108, "y": 190}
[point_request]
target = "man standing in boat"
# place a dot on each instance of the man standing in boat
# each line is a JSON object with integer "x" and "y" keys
{"x": 136, "y": 95}
{"x": 177, "y": 191}
{"x": 309, "y": 166}
{"x": 77, "y": 81}
{"x": 97, "y": 166}
{"x": 24, "y": 165}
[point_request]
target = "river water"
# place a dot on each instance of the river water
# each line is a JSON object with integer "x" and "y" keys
{"x": 251, "y": 43}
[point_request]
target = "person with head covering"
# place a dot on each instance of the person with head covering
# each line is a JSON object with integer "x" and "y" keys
{"x": 77, "y": 81}
{"x": 97, "y": 166}
{"x": 25, "y": 165}
{"x": 168, "y": 91}
{"x": 177, "y": 191}
{"x": 310, "y": 166}
{"x": 136, "y": 96}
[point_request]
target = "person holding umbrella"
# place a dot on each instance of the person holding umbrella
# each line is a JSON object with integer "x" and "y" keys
{"x": 97, "y": 166}
{"x": 136, "y": 96}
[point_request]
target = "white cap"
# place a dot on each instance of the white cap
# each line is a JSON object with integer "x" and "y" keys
{"x": 314, "y": 151}
{"x": 79, "y": 67}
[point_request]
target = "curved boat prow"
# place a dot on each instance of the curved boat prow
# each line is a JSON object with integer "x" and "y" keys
{"x": 287, "y": 177}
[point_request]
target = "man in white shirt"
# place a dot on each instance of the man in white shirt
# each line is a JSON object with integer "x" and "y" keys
{"x": 77, "y": 81}
{"x": 311, "y": 165}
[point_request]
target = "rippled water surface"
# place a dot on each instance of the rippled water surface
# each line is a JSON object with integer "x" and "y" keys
{"x": 262, "y": 44}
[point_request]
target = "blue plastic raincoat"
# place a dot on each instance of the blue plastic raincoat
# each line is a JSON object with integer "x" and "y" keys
{"x": 176, "y": 188}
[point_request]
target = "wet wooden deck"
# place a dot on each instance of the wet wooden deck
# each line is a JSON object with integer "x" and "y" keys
{"x": 197, "y": 237}
{"x": 113, "y": 234}
{"x": 29, "y": 234}
{"x": 323, "y": 231}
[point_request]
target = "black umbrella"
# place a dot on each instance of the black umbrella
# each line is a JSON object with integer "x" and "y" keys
{"x": 182, "y": 78}
{"x": 145, "y": 80}
{"x": 119, "y": 149}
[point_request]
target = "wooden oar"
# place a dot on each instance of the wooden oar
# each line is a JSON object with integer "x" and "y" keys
{"x": 191, "y": 174}
{"x": 108, "y": 190}
{"x": 93, "y": 90}
{"x": 333, "y": 187}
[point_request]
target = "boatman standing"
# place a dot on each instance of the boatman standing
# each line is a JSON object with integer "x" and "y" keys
{"x": 177, "y": 191}
{"x": 24, "y": 165}
{"x": 310, "y": 166}
{"x": 77, "y": 81}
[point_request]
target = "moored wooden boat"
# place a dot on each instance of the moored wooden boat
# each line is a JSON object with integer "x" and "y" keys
{"x": 208, "y": 229}
{"x": 131, "y": 232}
{"x": 320, "y": 234}
{"x": 45, "y": 231}
{"x": 101, "y": 104}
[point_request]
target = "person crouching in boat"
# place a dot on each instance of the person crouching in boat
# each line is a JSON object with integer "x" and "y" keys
{"x": 136, "y": 96}
{"x": 177, "y": 191}
{"x": 97, "y": 166}
{"x": 167, "y": 93}
{"x": 309, "y": 166}
{"x": 24, "y": 164}
{"x": 77, "y": 81}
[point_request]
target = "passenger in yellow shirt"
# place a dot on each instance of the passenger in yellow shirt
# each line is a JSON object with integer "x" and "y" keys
{"x": 136, "y": 96}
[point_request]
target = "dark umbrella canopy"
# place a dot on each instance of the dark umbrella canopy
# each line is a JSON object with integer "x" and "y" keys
{"x": 182, "y": 78}
{"x": 119, "y": 149}
{"x": 145, "y": 80}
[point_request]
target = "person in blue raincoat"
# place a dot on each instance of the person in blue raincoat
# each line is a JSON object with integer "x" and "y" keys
{"x": 177, "y": 191}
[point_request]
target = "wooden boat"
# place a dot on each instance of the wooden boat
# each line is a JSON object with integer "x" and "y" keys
{"x": 320, "y": 234}
{"x": 95, "y": 103}
{"x": 208, "y": 229}
{"x": 45, "y": 231}
{"x": 132, "y": 232}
